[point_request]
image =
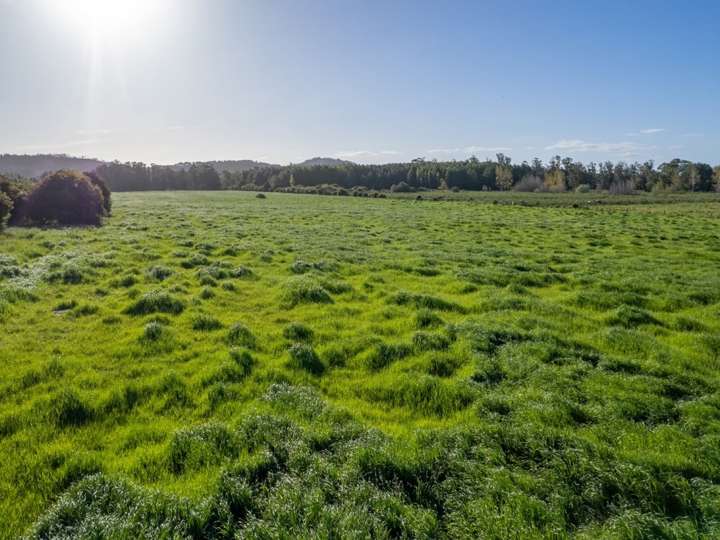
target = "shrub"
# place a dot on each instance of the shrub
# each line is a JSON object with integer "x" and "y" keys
{"x": 12, "y": 199}
{"x": 304, "y": 357}
{"x": 401, "y": 187}
{"x": 155, "y": 302}
{"x": 260, "y": 196}
{"x": 297, "y": 332}
{"x": 529, "y": 184}
{"x": 99, "y": 183}
{"x": 240, "y": 335}
{"x": 583, "y": 188}
{"x": 64, "y": 198}
{"x": 205, "y": 323}
{"x": 6, "y": 206}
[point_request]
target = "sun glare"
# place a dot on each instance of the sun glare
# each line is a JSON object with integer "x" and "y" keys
{"x": 109, "y": 18}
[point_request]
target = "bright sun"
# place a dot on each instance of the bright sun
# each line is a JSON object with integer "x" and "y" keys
{"x": 109, "y": 18}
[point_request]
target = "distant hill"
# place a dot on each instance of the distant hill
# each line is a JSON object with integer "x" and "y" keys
{"x": 35, "y": 166}
{"x": 229, "y": 165}
{"x": 326, "y": 161}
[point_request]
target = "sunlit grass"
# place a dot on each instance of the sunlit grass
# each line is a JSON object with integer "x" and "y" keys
{"x": 323, "y": 366}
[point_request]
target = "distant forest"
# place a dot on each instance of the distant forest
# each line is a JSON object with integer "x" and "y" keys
{"x": 472, "y": 174}
{"x": 559, "y": 174}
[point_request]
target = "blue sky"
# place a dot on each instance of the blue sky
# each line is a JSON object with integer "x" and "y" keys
{"x": 182, "y": 80}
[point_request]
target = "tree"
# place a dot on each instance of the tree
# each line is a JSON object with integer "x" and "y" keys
{"x": 64, "y": 198}
{"x": 6, "y": 206}
{"x": 99, "y": 183}
{"x": 716, "y": 178}
{"x": 503, "y": 172}
{"x": 555, "y": 177}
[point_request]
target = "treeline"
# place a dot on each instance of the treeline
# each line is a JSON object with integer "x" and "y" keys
{"x": 560, "y": 174}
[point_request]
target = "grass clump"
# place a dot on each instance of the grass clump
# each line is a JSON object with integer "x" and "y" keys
{"x": 425, "y": 301}
{"x": 243, "y": 359}
{"x": 423, "y": 394}
{"x": 304, "y": 290}
{"x": 241, "y": 336}
{"x": 155, "y": 302}
{"x": 159, "y": 273}
{"x": 205, "y": 323}
{"x": 384, "y": 354}
{"x": 427, "y": 318}
{"x": 428, "y": 341}
{"x": 153, "y": 331}
{"x": 304, "y": 357}
{"x": 631, "y": 317}
{"x": 67, "y": 409}
{"x": 296, "y": 331}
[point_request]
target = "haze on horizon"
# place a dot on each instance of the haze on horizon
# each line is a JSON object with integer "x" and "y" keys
{"x": 167, "y": 81}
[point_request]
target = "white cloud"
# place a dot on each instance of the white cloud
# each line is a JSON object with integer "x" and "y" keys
{"x": 468, "y": 150}
{"x": 348, "y": 154}
{"x": 626, "y": 148}
{"x": 647, "y": 131}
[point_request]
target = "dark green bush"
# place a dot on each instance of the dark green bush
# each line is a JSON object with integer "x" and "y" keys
{"x": 63, "y": 198}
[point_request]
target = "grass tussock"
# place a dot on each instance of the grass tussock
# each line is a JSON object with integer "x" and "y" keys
{"x": 156, "y": 302}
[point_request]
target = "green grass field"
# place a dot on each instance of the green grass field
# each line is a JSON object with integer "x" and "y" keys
{"x": 219, "y": 365}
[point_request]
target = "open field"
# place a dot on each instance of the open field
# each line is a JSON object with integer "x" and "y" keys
{"x": 220, "y": 365}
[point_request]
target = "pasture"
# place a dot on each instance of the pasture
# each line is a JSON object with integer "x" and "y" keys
{"x": 221, "y": 365}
